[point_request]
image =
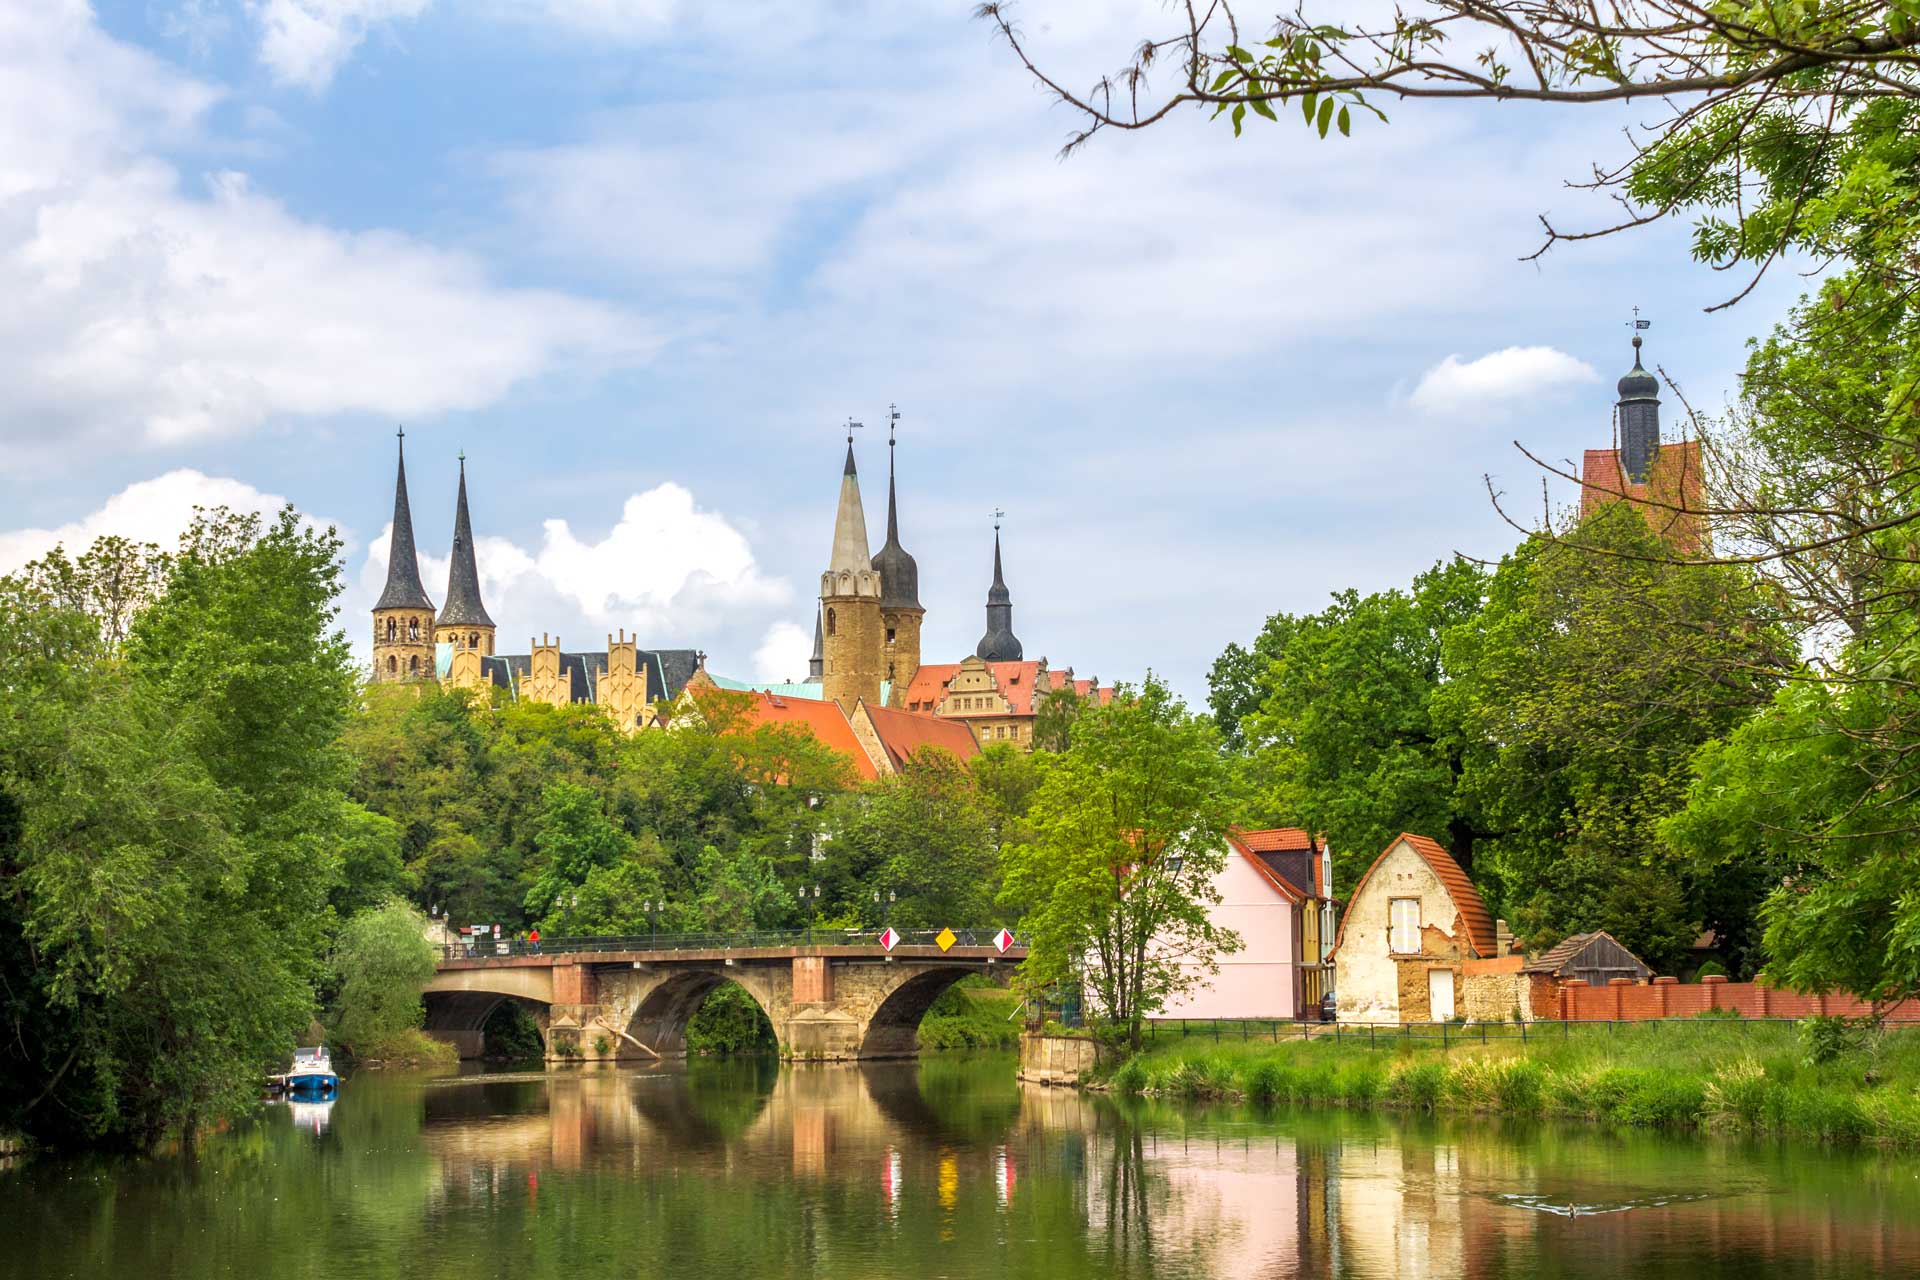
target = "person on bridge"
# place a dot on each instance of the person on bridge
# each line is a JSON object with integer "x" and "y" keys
{"x": 533, "y": 940}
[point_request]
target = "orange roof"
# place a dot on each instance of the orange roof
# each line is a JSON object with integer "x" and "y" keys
{"x": 904, "y": 732}
{"x": 1267, "y": 873}
{"x": 1275, "y": 839}
{"x": 1474, "y": 916}
{"x": 1016, "y": 681}
{"x": 1677, "y": 480}
{"x": 824, "y": 720}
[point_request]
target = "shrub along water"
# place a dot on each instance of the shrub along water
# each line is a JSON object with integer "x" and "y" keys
{"x": 971, "y": 1015}
{"x": 1771, "y": 1078}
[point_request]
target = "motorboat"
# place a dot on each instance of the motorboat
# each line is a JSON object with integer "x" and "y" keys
{"x": 312, "y": 1073}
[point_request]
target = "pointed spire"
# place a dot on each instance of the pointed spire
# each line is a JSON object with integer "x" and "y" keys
{"x": 403, "y": 590}
{"x": 899, "y": 572}
{"x": 999, "y": 644}
{"x": 817, "y": 662}
{"x": 463, "y": 607}
{"x": 850, "y": 523}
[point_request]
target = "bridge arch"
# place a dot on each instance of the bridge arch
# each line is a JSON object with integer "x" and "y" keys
{"x": 660, "y": 1020}
{"x": 459, "y": 1002}
{"x": 893, "y": 1028}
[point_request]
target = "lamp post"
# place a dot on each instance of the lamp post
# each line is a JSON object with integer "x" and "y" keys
{"x": 883, "y": 902}
{"x": 813, "y": 912}
{"x": 567, "y": 904}
{"x": 653, "y": 920}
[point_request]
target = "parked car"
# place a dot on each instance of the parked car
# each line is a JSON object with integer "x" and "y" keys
{"x": 1327, "y": 1007}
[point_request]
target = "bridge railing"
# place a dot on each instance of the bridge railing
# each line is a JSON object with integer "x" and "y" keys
{"x": 506, "y": 948}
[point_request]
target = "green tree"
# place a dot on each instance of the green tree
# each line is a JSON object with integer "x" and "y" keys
{"x": 737, "y": 892}
{"x": 1129, "y": 835}
{"x": 1344, "y": 741}
{"x": 1585, "y": 687}
{"x": 574, "y": 839}
{"x": 172, "y": 825}
{"x": 382, "y": 961}
{"x": 925, "y": 834}
{"x": 1053, "y": 718}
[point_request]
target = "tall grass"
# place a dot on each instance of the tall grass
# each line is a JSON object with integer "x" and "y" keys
{"x": 1685, "y": 1075}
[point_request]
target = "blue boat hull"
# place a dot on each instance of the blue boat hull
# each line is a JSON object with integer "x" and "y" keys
{"x": 313, "y": 1082}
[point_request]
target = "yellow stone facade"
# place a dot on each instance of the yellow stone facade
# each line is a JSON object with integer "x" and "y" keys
{"x": 901, "y": 650}
{"x": 623, "y": 689}
{"x": 402, "y": 645}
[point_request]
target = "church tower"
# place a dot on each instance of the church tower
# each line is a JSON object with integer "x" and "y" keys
{"x": 999, "y": 644}
{"x": 900, "y": 611}
{"x": 851, "y": 660}
{"x": 1639, "y": 411}
{"x": 403, "y": 616}
{"x": 463, "y": 621}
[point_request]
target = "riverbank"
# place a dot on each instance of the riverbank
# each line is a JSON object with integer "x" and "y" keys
{"x": 1705, "y": 1074}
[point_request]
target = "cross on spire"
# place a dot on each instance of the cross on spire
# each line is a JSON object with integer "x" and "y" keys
{"x": 893, "y": 422}
{"x": 852, "y": 427}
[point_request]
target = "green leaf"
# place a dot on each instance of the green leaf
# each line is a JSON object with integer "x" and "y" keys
{"x": 1306, "y": 106}
{"x": 1238, "y": 54}
{"x": 1345, "y": 121}
{"x": 1222, "y": 80}
{"x": 1325, "y": 116}
{"x": 1239, "y": 114}
{"x": 1261, "y": 108}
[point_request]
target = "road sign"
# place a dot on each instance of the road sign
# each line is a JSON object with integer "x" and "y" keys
{"x": 888, "y": 939}
{"x": 1002, "y": 940}
{"x": 946, "y": 940}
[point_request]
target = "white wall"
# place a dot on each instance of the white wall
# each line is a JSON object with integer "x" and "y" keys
{"x": 1366, "y": 981}
{"x": 1258, "y": 980}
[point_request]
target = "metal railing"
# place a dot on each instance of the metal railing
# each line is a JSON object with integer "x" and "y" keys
{"x": 506, "y": 948}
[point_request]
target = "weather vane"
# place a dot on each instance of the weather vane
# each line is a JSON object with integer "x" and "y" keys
{"x": 997, "y": 515}
{"x": 852, "y": 427}
{"x": 1638, "y": 323}
{"x": 893, "y": 421}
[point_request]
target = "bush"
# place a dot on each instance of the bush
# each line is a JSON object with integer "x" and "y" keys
{"x": 1824, "y": 1039}
{"x": 1711, "y": 969}
{"x": 383, "y": 960}
{"x": 730, "y": 1022}
{"x": 1417, "y": 1084}
{"x": 511, "y": 1032}
{"x": 1131, "y": 1076}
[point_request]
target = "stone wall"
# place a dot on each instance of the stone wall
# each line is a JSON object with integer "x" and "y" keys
{"x": 1056, "y": 1059}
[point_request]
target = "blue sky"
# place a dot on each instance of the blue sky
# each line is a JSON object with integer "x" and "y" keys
{"x": 639, "y": 258}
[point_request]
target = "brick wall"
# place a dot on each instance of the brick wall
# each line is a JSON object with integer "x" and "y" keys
{"x": 1667, "y": 998}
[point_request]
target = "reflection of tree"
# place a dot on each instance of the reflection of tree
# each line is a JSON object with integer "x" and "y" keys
{"x": 710, "y": 1104}
{"x": 949, "y": 1100}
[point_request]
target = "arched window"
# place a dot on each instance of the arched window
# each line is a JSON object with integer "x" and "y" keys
{"x": 413, "y": 628}
{"x": 393, "y": 665}
{"x": 413, "y": 665}
{"x": 473, "y": 640}
{"x": 393, "y": 630}
{"x": 830, "y": 622}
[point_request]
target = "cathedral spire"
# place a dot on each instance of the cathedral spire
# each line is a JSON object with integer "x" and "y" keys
{"x": 819, "y": 658}
{"x": 850, "y": 522}
{"x": 999, "y": 644}
{"x": 403, "y": 565}
{"x": 463, "y": 607}
{"x": 899, "y": 572}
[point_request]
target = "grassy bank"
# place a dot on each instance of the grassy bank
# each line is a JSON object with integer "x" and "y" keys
{"x": 1696, "y": 1074}
{"x": 973, "y": 1014}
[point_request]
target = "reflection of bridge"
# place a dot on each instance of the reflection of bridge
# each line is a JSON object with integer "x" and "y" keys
{"x": 847, "y": 997}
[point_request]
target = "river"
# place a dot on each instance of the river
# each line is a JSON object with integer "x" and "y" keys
{"x": 947, "y": 1168}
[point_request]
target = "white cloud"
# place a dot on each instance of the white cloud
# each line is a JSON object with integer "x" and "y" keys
{"x": 304, "y": 42}
{"x": 157, "y": 511}
{"x": 138, "y": 311}
{"x": 666, "y": 570}
{"x": 783, "y": 654}
{"x": 1498, "y": 380}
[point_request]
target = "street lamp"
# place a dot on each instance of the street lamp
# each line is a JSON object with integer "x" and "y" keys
{"x": 813, "y": 912}
{"x": 653, "y": 920}
{"x": 883, "y": 903}
{"x": 567, "y": 904}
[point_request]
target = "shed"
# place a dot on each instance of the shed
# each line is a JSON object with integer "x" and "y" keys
{"x": 1595, "y": 956}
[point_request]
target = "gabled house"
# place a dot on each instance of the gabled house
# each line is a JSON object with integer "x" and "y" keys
{"x": 1411, "y": 924}
{"x": 1276, "y": 893}
{"x": 1595, "y": 958}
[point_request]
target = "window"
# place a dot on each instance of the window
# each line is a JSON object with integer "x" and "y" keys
{"x": 393, "y": 665}
{"x": 413, "y": 665}
{"x": 413, "y": 628}
{"x": 1403, "y": 937}
{"x": 393, "y": 630}
{"x": 830, "y": 622}
{"x": 473, "y": 640}
{"x": 889, "y": 635}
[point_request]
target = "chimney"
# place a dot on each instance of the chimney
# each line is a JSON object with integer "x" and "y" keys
{"x": 1502, "y": 939}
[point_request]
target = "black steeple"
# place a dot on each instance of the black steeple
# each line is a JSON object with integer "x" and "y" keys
{"x": 999, "y": 644}
{"x": 1639, "y": 420}
{"x": 816, "y": 665}
{"x": 403, "y": 566}
{"x": 899, "y": 573}
{"x": 463, "y": 607}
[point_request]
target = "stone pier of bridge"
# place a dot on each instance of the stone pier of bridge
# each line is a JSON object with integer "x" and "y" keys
{"x": 824, "y": 1003}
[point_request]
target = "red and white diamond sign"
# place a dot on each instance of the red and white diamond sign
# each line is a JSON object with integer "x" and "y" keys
{"x": 888, "y": 939}
{"x": 1002, "y": 940}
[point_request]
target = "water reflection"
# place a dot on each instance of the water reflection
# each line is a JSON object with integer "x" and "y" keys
{"x": 948, "y": 1168}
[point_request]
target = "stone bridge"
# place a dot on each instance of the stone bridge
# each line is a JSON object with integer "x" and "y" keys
{"x": 826, "y": 1003}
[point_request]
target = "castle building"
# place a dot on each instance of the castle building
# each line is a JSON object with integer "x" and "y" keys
{"x": 867, "y": 638}
{"x": 412, "y": 642}
{"x": 1665, "y": 481}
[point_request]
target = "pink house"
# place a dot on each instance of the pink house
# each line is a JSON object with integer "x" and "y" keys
{"x": 1276, "y": 893}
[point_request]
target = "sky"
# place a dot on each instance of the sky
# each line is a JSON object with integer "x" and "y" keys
{"x": 640, "y": 260}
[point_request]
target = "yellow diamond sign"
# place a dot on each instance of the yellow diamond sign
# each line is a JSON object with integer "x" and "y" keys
{"x": 946, "y": 939}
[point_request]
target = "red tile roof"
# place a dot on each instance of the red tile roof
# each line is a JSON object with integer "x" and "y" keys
{"x": 1016, "y": 681}
{"x": 1275, "y": 839}
{"x": 1238, "y": 841}
{"x": 1677, "y": 480}
{"x": 904, "y": 732}
{"x": 1474, "y": 916}
{"x": 824, "y": 720}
